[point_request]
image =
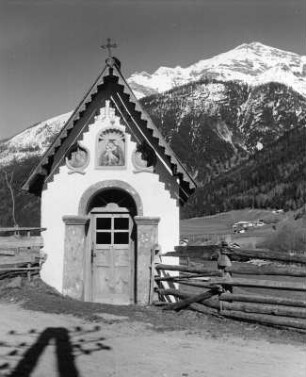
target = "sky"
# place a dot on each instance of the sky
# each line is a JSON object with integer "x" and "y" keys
{"x": 50, "y": 49}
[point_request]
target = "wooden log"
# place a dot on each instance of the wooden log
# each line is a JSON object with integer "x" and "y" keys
{"x": 196, "y": 249}
{"x": 268, "y": 255}
{"x": 21, "y": 241}
{"x": 207, "y": 253}
{"x": 11, "y": 274}
{"x": 21, "y": 229}
{"x": 266, "y": 319}
{"x": 246, "y": 283}
{"x": 248, "y": 307}
{"x": 202, "y": 252}
{"x": 209, "y": 302}
{"x": 204, "y": 309}
{"x": 199, "y": 307}
{"x": 263, "y": 299}
{"x": 183, "y": 277}
{"x": 207, "y": 271}
{"x": 196, "y": 298}
{"x": 239, "y": 282}
{"x": 19, "y": 269}
{"x": 199, "y": 284}
{"x": 179, "y": 278}
{"x": 266, "y": 270}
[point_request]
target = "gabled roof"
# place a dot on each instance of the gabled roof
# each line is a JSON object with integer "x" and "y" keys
{"x": 110, "y": 85}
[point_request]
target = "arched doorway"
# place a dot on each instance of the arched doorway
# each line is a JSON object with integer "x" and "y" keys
{"x": 113, "y": 246}
{"x": 109, "y": 245}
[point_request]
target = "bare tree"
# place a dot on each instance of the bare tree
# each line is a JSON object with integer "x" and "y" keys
{"x": 9, "y": 177}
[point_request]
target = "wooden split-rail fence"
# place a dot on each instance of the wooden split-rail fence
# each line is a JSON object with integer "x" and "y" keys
{"x": 252, "y": 285}
{"x": 20, "y": 252}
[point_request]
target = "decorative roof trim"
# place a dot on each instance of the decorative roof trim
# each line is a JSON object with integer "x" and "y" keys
{"x": 177, "y": 169}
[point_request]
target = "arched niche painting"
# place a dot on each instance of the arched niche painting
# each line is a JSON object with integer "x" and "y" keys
{"x": 77, "y": 159}
{"x": 111, "y": 148}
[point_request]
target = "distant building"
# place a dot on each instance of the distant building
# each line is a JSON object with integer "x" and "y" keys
{"x": 278, "y": 211}
{"x": 242, "y": 226}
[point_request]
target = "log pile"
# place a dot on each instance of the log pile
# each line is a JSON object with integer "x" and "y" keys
{"x": 20, "y": 252}
{"x": 28, "y": 270}
{"x": 211, "y": 288}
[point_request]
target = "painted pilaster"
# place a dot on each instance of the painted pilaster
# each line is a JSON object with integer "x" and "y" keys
{"x": 74, "y": 256}
{"x": 147, "y": 238}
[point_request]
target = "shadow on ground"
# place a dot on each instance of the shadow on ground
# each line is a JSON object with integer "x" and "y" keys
{"x": 22, "y": 357}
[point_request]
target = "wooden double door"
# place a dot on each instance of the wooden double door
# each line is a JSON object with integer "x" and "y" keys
{"x": 113, "y": 258}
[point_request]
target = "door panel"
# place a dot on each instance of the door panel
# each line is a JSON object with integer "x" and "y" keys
{"x": 112, "y": 259}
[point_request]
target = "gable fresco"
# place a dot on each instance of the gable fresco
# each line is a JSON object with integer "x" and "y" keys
{"x": 111, "y": 148}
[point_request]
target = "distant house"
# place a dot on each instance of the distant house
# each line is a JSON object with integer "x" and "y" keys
{"x": 242, "y": 226}
{"x": 278, "y": 211}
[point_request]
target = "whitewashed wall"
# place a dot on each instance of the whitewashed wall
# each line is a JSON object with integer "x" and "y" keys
{"x": 62, "y": 197}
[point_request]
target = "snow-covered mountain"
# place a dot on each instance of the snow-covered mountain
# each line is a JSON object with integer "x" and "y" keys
{"x": 32, "y": 141}
{"x": 233, "y": 87}
{"x": 251, "y": 63}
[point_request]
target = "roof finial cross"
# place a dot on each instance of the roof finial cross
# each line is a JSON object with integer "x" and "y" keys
{"x": 109, "y": 47}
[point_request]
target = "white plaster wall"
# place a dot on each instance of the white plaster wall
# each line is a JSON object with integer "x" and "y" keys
{"x": 62, "y": 197}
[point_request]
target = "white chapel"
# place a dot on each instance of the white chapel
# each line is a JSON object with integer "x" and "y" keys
{"x": 111, "y": 189}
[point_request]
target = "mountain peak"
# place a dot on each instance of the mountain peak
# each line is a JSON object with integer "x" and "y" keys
{"x": 253, "y": 45}
{"x": 248, "y": 62}
{"x": 262, "y": 48}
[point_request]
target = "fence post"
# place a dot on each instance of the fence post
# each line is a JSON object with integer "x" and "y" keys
{"x": 29, "y": 272}
{"x": 154, "y": 253}
{"x": 223, "y": 262}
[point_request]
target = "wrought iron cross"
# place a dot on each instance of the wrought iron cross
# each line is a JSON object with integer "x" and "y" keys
{"x": 109, "y": 47}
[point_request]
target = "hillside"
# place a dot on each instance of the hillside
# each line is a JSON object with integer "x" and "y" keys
{"x": 273, "y": 177}
{"x": 211, "y": 124}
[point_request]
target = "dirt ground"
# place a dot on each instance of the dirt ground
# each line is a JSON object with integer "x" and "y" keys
{"x": 45, "y": 334}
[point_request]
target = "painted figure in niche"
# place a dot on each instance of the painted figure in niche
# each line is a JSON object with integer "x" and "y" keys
{"x": 112, "y": 155}
{"x": 111, "y": 146}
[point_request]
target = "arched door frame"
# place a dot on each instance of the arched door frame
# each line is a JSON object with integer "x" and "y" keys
{"x": 84, "y": 210}
{"x": 106, "y": 185}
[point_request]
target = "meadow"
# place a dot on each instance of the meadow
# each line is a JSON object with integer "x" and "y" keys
{"x": 214, "y": 229}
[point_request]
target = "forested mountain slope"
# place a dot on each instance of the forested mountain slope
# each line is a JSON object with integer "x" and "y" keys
{"x": 273, "y": 177}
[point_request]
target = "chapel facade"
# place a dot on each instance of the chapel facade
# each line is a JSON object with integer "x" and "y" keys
{"x": 111, "y": 189}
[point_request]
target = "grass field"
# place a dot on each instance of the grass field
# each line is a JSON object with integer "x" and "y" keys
{"x": 217, "y": 227}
